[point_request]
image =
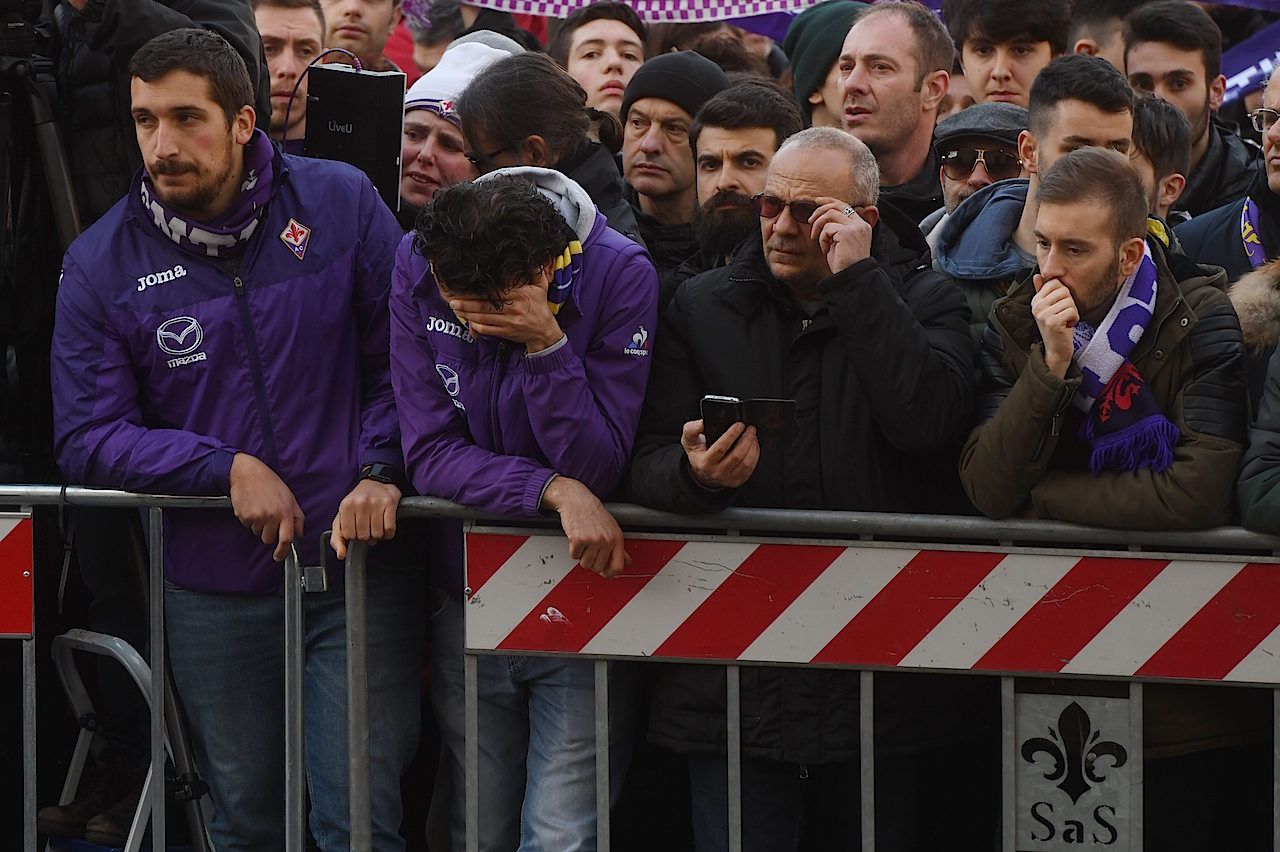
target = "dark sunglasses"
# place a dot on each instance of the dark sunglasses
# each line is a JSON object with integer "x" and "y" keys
{"x": 959, "y": 164}
{"x": 771, "y": 207}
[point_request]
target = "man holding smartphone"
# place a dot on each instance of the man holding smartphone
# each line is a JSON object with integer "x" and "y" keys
{"x": 837, "y": 308}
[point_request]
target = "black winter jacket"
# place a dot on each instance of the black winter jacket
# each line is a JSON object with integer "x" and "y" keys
{"x": 595, "y": 170}
{"x": 1224, "y": 173}
{"x": 96, "y": 46}
{"x": 920, "y": 196}
{"x": 885, "y": 368}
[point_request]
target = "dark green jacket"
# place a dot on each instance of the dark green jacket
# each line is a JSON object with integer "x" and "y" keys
{"x": 1026, "y": 456}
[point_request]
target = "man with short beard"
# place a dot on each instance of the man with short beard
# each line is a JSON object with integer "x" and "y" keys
{"x": 1113, "y": 395}
{"x": 223, "y": 331}
{"x": 1173, "y": 49}
{"x": 734, "y": 137}
{"x": 895, "y": 67}
{"x": 1113, "y": 377}
{"x": 363, "y": 27}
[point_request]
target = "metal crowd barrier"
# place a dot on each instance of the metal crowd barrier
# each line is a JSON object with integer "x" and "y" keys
{"x": 831, "y": 578}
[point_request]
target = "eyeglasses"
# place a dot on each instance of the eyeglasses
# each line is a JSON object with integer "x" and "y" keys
{"x": 1263, "y": 118}
{"x": 481, "y": 161}
{"x": 770, "y": 207}
{"x": 960, "y": 163}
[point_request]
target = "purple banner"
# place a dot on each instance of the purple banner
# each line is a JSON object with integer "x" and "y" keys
{"x": 1249, "y": 63}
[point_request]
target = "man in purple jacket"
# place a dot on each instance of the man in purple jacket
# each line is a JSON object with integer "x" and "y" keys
{"x": 520, "y": 348}
{"x": 223, "y": 330}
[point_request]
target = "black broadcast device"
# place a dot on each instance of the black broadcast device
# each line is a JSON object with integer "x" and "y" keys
{"x": 358, "y": 117}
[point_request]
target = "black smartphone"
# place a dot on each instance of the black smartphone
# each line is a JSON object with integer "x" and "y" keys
{"x": 718, "y": 414}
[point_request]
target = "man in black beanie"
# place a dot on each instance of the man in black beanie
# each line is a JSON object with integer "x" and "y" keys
{"x": 657, "y": 160}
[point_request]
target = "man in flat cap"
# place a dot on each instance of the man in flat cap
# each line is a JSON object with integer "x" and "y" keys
{"x": 975, "y": 148}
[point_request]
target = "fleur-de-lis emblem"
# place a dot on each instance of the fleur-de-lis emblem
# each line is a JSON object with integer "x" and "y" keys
{"x": 1076, "y": 749}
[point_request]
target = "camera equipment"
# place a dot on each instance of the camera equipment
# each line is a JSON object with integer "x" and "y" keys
{"x": 358, "y": 117}
{"x": 40, "y": 221}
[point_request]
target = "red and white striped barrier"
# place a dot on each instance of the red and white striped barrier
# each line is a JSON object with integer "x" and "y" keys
{"x": 731, "y": 599}
{"x": 17, "y": 585}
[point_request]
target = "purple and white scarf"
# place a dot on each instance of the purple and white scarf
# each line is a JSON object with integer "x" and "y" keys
{"x": 1123, "y": 423}
{"x": 226, "y": 234}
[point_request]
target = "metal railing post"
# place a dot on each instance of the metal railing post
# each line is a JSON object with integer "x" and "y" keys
{"x": 358, "y": 756}
{"x": 29, "y": 743}
{"x": 1275, "y": 770}
{"x": 733, "y": 751}
{"x": 867, "y": 757}
{"x": 155, "y": 519}
{"x": 1008, "y": 766}
{"x": 471, "y": 737}
{"x": 1137, "y": 759}
{"x": 295, "y": 836}
{"x": 603, "y": 799}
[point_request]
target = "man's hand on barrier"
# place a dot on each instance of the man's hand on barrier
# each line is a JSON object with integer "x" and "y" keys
{"x": 368, "y": 513}
{"x": 727, "y": 463}
{"x": 264, "y": 504}
{"x": 595, "y": 539}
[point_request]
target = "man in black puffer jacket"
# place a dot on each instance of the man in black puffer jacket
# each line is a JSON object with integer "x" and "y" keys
{"x": 839, "y": 309}
{"x": 97, "y": 40}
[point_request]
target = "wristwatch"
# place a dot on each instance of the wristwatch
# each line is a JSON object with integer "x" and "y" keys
{"x": 384, "y": 473}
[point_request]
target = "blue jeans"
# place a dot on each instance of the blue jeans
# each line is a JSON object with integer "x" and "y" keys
{"x": 227, "y": 654}
{"x": 537, "y": 777}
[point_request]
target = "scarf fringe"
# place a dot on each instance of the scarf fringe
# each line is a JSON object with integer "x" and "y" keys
{"x": 1148, "y": 443}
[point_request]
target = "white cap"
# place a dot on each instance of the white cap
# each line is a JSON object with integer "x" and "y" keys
{"x": 437, "y": 89}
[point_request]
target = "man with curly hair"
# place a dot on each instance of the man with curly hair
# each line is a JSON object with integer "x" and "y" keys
{"x": 521, "y": 333}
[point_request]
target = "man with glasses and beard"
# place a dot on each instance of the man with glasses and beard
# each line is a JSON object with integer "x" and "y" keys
{"x": 975, "y": 147}
{"x": 734, "y": 137}
{"x": 834, "y": 306}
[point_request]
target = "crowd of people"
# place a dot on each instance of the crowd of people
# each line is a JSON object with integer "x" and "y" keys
{"x": 1008, "y": 260}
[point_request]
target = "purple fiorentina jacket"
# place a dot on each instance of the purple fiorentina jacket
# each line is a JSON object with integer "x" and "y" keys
{"x": 487, "y": 426}
{"x": 165, "y": 364}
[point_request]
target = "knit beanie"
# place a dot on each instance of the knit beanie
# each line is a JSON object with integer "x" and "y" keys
{"x": 437, "y": 89}
{"x": 813, "y": 45}
{"x": 687, "y": 79}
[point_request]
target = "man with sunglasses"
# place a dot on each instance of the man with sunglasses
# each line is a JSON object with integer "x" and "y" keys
{"x": 1242, "y": 237}
{"x": 988, "y": 242}
{"x": 975, "y": 148}
{"x": 836, "y": 308}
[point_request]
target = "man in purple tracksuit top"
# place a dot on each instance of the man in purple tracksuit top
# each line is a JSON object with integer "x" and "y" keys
{"x": 521, "y": 336}
{"x": 223, "y": 330}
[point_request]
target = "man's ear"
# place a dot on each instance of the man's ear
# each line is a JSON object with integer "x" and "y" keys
{"x": 1131, "y": 251}
{"x": 1170, "y": 189}
{"x": 815, "y": 97}
{"x": 1027, "y": 151}
{"x": 536, "y": 151}
{"x": 397, "y": 15}
{"x": 870, "y": 215}
{"x": 1087, "y": 46}
{"x": 1217, "y": 92}
{"x": 242, "y": 124}
{"x": 933, "y": 89}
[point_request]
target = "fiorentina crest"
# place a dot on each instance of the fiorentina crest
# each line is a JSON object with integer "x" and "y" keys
{"x": 295, "y": 236}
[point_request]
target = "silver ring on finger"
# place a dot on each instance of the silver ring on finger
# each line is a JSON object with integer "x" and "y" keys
{"x": 850, "y": 211}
